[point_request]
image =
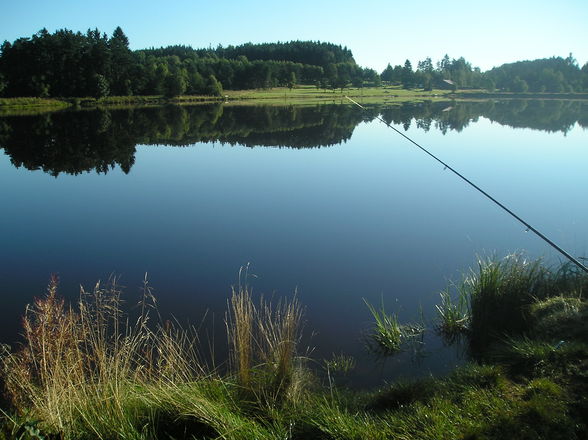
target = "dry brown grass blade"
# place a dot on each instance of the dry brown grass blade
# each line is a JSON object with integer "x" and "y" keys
{"x": 71, "y": 357}
{"x": 263, "y": 341}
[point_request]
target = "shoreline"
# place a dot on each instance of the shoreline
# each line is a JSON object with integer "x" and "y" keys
{"x": 523, "y": 325}
{"x": 296, "y": 96}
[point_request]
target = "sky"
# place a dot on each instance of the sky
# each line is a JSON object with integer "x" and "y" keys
{"x": 487, "y": 34}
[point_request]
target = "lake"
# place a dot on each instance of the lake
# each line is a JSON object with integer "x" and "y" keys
{"x": 323, "y": 200}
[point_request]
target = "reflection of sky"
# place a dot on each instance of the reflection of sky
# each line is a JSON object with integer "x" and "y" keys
{"x": 371, "y": 218}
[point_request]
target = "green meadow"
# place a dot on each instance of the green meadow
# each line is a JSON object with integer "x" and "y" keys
{"x": 277, "y": 95}
{"x": 299, "y": 95}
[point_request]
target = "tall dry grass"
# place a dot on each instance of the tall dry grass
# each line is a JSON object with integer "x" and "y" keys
{"x": 91, "y": 369}
{"x": 81, "y": 369}
{"x": 263, "y": 342}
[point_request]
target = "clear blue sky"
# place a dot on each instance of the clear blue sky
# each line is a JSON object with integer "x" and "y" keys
{"x": 378, "y": 32}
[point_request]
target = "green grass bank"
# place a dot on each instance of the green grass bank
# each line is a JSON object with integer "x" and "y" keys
{"x": 85, "y": 371}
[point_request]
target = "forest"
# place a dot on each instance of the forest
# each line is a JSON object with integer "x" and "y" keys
{"x": 94, "y": 64}
{"x": 67, "y": 64}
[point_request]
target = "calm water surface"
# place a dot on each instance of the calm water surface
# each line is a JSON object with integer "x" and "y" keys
{"x": 343, "y": 210}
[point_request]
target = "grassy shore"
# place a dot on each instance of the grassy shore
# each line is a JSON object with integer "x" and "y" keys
{"x": 308, "y": 94}
{"x": 277, "y": 95}
{"x": 84, "y": 372}
{"x": 24, "y": 106}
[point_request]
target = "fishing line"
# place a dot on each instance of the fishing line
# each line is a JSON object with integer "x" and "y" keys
{"x": 472, "y": 184}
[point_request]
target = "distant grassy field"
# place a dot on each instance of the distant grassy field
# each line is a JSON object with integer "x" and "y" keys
{"x": 307, "y": 94}
{"x": 274, "y": 96}
{"x": 297, "y": 95}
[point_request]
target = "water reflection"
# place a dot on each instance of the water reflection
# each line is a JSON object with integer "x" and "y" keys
{"x": 544, "y": 115}
{"x": 74, "y": 142}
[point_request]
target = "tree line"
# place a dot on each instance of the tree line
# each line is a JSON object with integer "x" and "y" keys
{"x": 72, "y": 64}
{"x": 552, "y": 75}
{"x": 555, "y": 75}
{"x": 446, "y": 73}
{"x": 65, "y": 64}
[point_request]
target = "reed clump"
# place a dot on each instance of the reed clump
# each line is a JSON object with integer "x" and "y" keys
{"x": 512, "y": 297}
{"x": 501, "y": 294}
{"x": 263, "y": 342}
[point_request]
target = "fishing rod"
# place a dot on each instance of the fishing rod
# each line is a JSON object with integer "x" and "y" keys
{"x": 472, "y": 184}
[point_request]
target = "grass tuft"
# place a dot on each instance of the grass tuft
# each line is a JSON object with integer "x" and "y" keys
{"x": 453, "y": 316}
{"x": 340, "y": 363}
{"x": 500, "y": 295}
{"x": 563, "y": 317}
{"x": 388, "y": 336}
{"x": 505, "y": 298}
{"x": 263, "y": 339}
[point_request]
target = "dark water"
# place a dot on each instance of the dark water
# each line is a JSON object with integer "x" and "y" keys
{"x": 324, "y": 200}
